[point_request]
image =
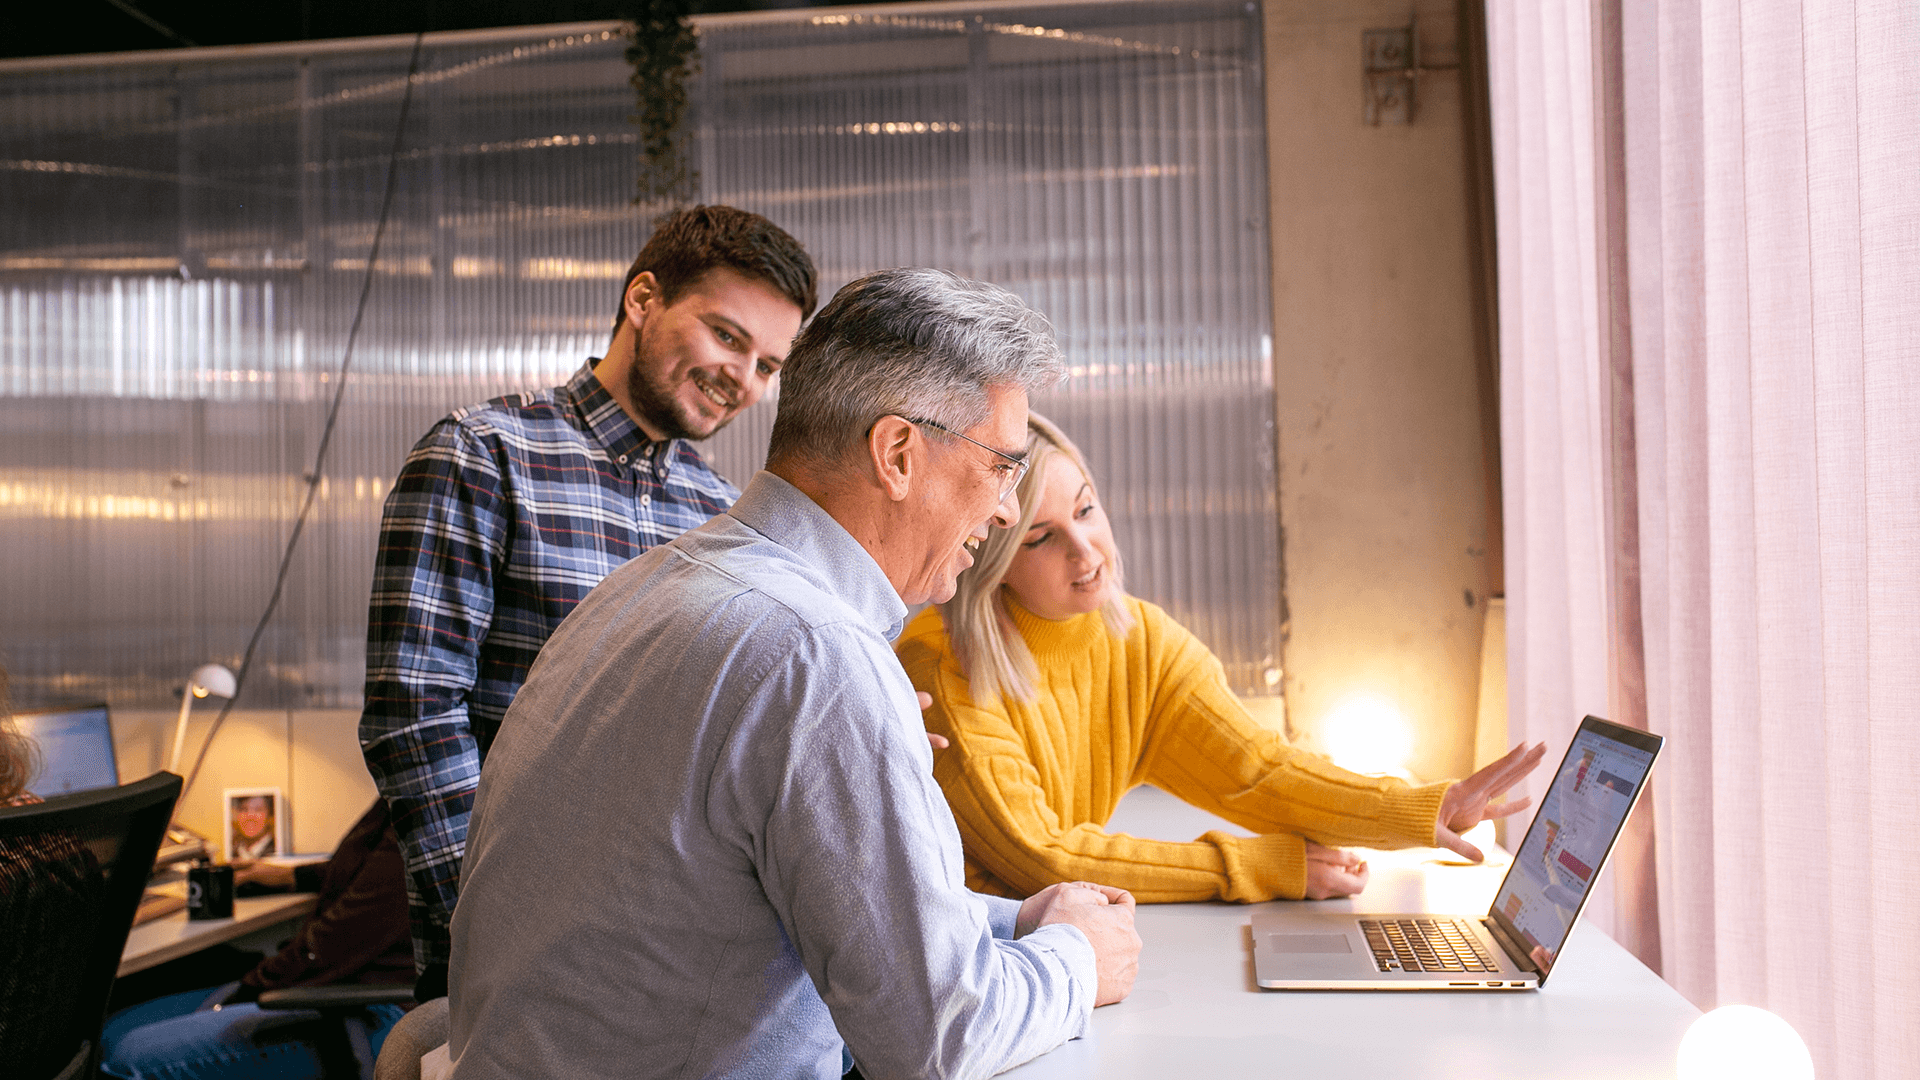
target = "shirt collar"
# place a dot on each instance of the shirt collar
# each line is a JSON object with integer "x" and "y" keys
{"x": 609, "y": 424}
{"x": 784, "y": 514}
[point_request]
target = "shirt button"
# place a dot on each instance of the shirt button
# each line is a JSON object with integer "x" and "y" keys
{"x": 646, "y": 500}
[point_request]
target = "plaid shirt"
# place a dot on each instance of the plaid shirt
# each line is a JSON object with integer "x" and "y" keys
{"x": 502, "y": 519}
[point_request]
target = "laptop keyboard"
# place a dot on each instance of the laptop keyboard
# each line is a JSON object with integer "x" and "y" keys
{"x": 1425, "y": 945}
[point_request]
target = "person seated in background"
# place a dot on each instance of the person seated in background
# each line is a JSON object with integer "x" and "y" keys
{"x": 707, "y": 841}
{"x": 1059, "y": 693}
{"x": 358, "y": 933}
{"x": 42, "y": 876}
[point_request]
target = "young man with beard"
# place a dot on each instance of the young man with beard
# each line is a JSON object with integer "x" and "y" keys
{"x": 508, "y": 513}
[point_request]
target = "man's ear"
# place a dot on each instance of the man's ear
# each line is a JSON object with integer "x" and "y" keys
{"x": 896, "y": 451}
{"x": 642, "y": 288}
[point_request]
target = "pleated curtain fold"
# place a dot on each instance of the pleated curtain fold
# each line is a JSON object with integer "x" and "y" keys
{"x": 1709, "y": 242}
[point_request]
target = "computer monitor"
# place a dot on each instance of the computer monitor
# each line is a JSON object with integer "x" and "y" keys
{"x": 76, "y": 748}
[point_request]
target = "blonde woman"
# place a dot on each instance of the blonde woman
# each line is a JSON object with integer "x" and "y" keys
{"x": 1058, "y": 693}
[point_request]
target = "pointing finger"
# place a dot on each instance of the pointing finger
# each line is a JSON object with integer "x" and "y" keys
{"x": 1454, "y": 842}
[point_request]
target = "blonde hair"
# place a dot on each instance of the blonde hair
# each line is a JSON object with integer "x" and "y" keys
{"x": 17, "y": 752}
{"x": 990, "y": 650}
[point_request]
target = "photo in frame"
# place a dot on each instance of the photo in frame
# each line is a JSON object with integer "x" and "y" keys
{"x": 254, "y": 823}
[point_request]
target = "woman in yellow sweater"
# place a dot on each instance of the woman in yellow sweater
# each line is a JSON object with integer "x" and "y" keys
{"x": 1059, "y": 693}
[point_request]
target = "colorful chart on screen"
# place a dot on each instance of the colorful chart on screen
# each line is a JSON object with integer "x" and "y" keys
{"x": 1568, "y": 842}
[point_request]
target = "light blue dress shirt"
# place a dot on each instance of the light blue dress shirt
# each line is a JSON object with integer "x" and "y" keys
{"x": 708, "y": 842}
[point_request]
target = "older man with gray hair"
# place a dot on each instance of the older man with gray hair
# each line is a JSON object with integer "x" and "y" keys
{"x": 708, "y": 842}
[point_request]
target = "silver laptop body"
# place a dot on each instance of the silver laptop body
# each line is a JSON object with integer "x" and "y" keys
{"x": 1553, "y": 872}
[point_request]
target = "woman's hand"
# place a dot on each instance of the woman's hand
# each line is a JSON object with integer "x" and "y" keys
{"x": 1332, "y": 872}
{"x": 1470, "y": 802}
{"x": 926, "y": 702}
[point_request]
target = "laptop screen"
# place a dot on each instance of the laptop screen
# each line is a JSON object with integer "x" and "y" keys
{"x": 1571, "y": 835}
{"x": 76, "y": 749}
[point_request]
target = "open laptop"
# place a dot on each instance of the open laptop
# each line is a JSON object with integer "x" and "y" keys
{"x": 76, "y": 748}
{"x": 1513, "y": 947}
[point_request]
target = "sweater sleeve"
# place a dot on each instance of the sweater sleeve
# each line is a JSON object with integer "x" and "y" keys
{"x": 1008, "y": 828}
{"x": 1203, "y": 747}
{"x": 1011, "y": 831}
{"x": 1198, "y": 743}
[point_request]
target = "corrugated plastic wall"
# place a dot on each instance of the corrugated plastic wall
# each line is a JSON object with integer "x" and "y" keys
{"x": 185, "y": 239}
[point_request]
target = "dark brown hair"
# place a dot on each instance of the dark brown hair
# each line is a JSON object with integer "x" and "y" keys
{"x": 688, "y": 243}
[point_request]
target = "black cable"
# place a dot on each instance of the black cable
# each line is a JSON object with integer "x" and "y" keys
{"x": 326, "y": 434}
{"x": 152, "y": 23}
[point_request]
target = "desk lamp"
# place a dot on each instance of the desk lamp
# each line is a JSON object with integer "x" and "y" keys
{"x": 1368, "y": 734}
{"x": 207, "y": 680}
{"x": 1741, "y": 1042}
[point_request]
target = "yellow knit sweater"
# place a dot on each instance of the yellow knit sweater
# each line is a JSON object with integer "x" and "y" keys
{"x": 1032, "y": 784}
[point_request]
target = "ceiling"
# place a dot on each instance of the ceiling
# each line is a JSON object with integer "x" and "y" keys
{"x": 94, "y": 26}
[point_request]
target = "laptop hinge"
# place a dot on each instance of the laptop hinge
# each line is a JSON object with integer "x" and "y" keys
{"x": 1514, "y": 950}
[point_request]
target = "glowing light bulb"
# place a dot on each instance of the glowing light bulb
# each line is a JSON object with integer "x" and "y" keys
{"x": 1745, "y": 1042}
{"x": 1368, "y": 734}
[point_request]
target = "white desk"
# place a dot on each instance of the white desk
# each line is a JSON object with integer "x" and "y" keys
{"x": 1195, "y": 1011}
{"x": 172, "y": 936}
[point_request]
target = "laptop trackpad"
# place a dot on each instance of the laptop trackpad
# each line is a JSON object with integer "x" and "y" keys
{"x": 1309, "y": 943}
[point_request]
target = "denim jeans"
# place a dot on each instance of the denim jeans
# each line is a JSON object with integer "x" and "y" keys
{"x": 168, "y": 1038}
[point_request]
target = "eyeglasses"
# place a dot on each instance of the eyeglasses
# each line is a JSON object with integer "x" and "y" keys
{"x": 1011, "y": 468}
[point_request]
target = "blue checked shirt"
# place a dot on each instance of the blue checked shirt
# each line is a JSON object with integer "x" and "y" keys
{"x": 502, "y": 520}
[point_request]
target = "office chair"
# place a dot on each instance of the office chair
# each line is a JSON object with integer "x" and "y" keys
{"x": 71, "y": 873}
{"x": 339, "y": 1033}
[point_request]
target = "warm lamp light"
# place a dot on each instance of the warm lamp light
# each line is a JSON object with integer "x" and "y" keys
{"x": 1744, "y": 1042}
{"x": 1368, "y": 734}
{"x": 207, "y": 680}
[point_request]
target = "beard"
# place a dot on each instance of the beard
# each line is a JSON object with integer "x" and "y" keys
{"x": 662, "y": 409}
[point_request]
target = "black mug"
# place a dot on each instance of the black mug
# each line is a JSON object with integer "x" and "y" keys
{"x": 210, "y": 892}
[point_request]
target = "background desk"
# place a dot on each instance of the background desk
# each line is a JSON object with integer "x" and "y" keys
{"x": 172, "y": 936}
{"x": 1195, "y": 1011}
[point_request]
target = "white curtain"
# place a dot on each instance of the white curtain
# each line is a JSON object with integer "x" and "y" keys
{"x": 1709, "y": 221}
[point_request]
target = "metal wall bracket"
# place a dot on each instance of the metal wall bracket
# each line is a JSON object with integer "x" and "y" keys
{"x": 1390, "y": 62}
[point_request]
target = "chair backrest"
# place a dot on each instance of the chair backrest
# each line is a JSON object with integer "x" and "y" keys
{"x": 71, "y": 873}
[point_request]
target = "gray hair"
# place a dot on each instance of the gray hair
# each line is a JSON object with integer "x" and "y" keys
{"x": 910, "y": 342}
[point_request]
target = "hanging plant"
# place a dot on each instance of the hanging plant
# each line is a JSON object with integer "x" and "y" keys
{"x": 665, "y": 54}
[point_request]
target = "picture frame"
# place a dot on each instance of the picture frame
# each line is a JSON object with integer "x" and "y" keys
{"x": 253, "y": 823}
